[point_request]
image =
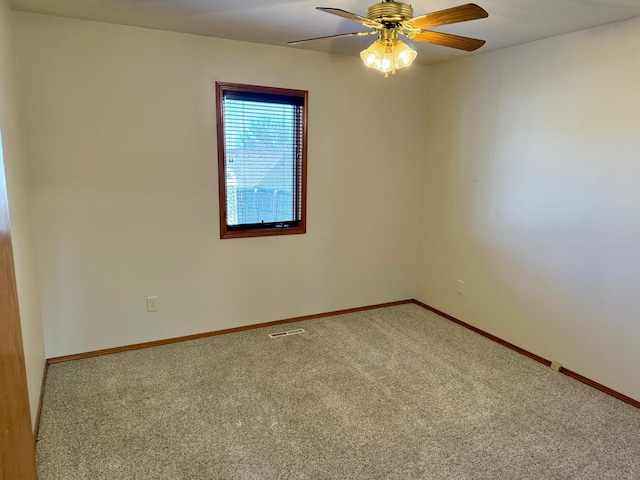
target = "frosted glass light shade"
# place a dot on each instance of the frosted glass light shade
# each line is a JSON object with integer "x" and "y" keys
{"x": 388, "y": 56}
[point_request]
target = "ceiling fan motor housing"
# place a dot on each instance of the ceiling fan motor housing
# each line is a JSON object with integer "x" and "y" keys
{"x": 390, "y": 12}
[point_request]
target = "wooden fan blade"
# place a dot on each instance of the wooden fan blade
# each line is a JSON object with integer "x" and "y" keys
{"x": 459, "y": 14}
{"x": 352, "y": 34}
{"x": 448, "y": 40}
{"x": 351, "y": 16}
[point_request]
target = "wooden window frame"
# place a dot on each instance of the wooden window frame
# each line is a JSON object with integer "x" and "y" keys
{"x": 253, "y": 231}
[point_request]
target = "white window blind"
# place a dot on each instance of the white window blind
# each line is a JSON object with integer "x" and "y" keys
{"x": 263, "y": 150}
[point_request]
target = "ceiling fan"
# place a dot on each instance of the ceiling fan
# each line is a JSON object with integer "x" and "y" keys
{"x": 389, "y": 19}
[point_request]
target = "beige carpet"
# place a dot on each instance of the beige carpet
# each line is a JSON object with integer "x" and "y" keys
{"x": 393, "y": 393}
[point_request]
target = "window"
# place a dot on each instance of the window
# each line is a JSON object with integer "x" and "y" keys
{"x": 262, "y": 150}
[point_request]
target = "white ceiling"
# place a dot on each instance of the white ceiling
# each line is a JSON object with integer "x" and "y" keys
{"x": 276, "y": 22}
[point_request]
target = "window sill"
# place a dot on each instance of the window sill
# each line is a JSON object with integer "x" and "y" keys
{"x": 262, "y": 232}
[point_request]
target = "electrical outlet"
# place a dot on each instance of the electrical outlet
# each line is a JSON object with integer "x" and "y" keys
{"x": 152, "y": 304}
{"x": 555, "y": 366}
{"x": 460, "y": 289}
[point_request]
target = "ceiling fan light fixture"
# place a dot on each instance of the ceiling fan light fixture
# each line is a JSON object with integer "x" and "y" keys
{"x": 388, "y": 56}
{"x": 390, "y": 18}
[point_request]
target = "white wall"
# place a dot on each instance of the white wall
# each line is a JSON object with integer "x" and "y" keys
{"x": 529, "y": 190}
{"x": 121, "y": 132}
{"x": 532, "y": 197}
{"x": 17, "y": 177}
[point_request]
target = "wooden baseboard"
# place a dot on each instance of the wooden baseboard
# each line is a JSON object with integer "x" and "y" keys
{"x": 36, "y": 426}
{"x": 167, "y": 341}
{"x": 599, "y": 386}
{"x": 485, "y": 334}
{"x": 155, "y": 343}
{"x": 537, "y": 358}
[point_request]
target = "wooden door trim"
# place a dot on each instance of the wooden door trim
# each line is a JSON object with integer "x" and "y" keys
{"x": 17, "y": 446}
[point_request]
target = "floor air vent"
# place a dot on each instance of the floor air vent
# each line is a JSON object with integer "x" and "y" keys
{"x": 288, "y": 332}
